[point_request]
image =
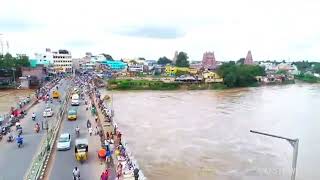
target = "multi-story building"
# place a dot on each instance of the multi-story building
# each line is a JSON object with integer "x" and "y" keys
{"x": 62, "y": 61}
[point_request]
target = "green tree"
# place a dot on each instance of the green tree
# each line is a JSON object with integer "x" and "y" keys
{"x": 182, "y": 60}
{"x": 239, "y": 75}
{"x": 241, "y": 61}
{"x": 133, "y": 62}
{"x": 303, "y": 66}
{"x": 316, "y": 68}
{"x": 164, "y": 60}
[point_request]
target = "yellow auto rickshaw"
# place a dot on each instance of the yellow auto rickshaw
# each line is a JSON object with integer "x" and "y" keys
{"x": 81, "y": 150}
{"x": 55, "y": 94}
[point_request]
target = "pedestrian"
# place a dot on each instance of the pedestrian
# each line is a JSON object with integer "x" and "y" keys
{"x": 88, "y": 123}
{"x": 105, "y": 175}
{"x": 136, "y": 173}
{"x": 119, "y": 171}
{"x": 76, "y": 173}
{"x": 108, "y": 136}
{"x": 90, "y": 131}
{"x": 96, "y": 131}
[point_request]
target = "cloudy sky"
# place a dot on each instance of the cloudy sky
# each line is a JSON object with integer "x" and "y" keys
{"x": 271, "y": 29}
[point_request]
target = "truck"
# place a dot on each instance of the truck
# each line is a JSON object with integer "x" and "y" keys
{"x": 75, "y": 100}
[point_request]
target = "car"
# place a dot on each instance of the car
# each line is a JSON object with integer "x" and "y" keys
{"x": 72, "y": 114}
{"x": 48, "y": 112}
{"x": 64, "y": 142}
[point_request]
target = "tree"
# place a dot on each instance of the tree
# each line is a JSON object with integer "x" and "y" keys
{"x": 316, "y": 68}
{"x": 133, "y": 62}
{"x": 107, "y": 56}
{"x": 239, "y": 75}
{"x": 164, "y": 60}
{"x": 182, "y": 60}
{"x": 241, "y": 61}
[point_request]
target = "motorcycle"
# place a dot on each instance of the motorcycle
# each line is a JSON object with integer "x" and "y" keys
{"x": 77, "y": 132}
{"x": 37, "y": 129}
{"x": 19, "y": 131}
{"x": 10, "y": 139}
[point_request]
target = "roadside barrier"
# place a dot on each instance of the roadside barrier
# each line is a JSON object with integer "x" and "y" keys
{"x": 40, "y": 162}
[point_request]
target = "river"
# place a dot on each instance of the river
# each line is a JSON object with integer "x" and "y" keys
{"x": 10, "y": 98}
{"x": 191, "y": 135}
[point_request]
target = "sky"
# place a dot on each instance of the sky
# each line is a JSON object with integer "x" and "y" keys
{"x": 271, "y": 29}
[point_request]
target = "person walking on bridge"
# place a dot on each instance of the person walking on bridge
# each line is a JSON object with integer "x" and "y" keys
{"x": 105, "y": 175}
{"x": 76, "y": 173}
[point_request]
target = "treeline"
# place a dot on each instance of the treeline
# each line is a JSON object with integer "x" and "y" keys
{"x": 240, "y": 75}
{"x": 10, "y": 64}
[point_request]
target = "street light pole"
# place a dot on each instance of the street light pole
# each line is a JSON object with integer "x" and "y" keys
{"x": 293, "y": 142}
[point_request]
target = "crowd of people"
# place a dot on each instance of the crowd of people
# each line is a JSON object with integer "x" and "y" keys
{"x": 113, "y": 149}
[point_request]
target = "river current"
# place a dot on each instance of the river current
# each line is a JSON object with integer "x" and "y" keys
{"x": 191, "y": 135}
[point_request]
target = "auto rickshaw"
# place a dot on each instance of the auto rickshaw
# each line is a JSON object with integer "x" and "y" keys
{"x": 81, "y": 150}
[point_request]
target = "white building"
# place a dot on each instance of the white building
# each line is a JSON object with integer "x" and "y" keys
{"x": 135, "y": 68}
{"x": 62, "y": 61}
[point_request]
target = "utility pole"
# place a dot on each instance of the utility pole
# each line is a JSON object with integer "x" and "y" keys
{"x": 293, "y": 142}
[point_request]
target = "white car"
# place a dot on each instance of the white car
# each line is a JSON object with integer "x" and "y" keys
{"x": 48, "y": 112}
{"x": 64, "y": 142}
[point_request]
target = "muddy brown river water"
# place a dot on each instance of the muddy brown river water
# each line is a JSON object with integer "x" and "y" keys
{"x": 191, "y": 135}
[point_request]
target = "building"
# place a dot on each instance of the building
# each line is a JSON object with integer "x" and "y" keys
{"x": 45, "y": 59}
{"x": 196, "y": 64}
{"x": 211, "y": 77}
{"x": 288, "y": 67}
{"x": 62, "y": 61}
{"x": 150, "y": 64}
{"x": 136, "y": 68}
{"x": 248, "y": 59}
{"x": 172, "y": 70}
{"x": 35, "y": 75}
{"x": 115, "y": 65}
{"x": 208, "y": 60}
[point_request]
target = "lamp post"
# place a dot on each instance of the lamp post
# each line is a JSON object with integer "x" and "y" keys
{"x": 293, "y": 142}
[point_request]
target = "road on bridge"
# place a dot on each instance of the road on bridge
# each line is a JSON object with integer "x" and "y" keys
{"x": 14, "y": 161}
{"x": 63, "y": 162}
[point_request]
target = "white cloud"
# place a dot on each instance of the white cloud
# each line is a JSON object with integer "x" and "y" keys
{"x": 271, "y": 29}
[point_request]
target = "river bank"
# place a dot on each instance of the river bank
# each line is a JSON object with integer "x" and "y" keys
{"x": 140, "y": 84}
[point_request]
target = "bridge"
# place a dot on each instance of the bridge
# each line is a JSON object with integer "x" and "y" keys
{"x": 39, "y": 158}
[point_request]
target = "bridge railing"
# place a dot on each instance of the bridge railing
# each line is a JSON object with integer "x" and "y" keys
{"x": 40, "y": 162}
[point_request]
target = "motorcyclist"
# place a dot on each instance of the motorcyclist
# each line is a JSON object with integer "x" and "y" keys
{"x": 33, "y": 116}
{"x": 88, "y": 123}
{"x": 37, "y": 127}
{"x": 76, "y": 173}
{"x": 10, "y": 137}
{"x": 19, "y": 131}
{"x": 19, "y": 140}
{"x": 77, "y": 130}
